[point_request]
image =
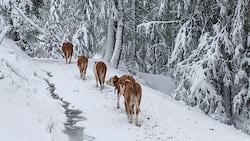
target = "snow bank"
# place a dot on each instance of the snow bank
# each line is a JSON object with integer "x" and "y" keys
{"x": 28, "y": 112}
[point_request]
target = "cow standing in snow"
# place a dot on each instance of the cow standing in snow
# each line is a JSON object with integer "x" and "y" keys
{"x": 132, "y": 100}
{"x": 100, "y": 70}
{"x": 67, "y": 49}
{"x": 117, "y": 82}
{"x": 82, "y": 64}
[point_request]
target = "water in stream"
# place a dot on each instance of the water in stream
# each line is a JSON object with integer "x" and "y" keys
{"x": 74, "y": 132}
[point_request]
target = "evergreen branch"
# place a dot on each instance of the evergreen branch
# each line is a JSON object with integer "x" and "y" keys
{"x": 155, "y": 22}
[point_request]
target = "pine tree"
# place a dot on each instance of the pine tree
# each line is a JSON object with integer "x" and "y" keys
{"x": 241, "y": 89}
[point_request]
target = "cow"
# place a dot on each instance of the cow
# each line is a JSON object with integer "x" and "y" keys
{"x": 82, "y": 63}
{"x": 100, "y": 70}
{"x": 67, "y": 49}
{"x": 116, "y": 82}
{"x": 132, "y": 100}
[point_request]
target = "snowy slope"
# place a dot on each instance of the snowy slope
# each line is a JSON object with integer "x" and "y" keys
{"x": 162, "y": 117}
{"x": 29, "y": 112}
{"x": 27, "y": 109}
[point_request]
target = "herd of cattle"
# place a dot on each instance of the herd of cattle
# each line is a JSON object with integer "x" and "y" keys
{"x": 125, "y": 85}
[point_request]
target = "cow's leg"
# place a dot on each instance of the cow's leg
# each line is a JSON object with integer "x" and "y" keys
{"x": 81, "y": 73}
{"x": 67, "y": 57}
{"x": 118, "y": 99}
{"x": 84, "y": 73}
{"x": 101, "y": 85}
{"x": 126, "y": 109}
{"x": 119, "y": 93}
{"x": 70, "y": 57}
{"x": 136, "y": 120}
{"x": 96, "y": 79}
{"x": 131, "y": 111}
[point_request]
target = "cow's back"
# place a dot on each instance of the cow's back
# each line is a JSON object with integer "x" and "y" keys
{"x": 124, "y": 78}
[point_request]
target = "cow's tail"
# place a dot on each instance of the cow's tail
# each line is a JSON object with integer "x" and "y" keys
{"x": 67, "y": 56}
{"x": 102, "y": 77}
{"x": 82, "y": 65}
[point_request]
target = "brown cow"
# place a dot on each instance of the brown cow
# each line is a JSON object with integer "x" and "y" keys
{"x": 67, "y": 49}
{"x": 100, "y": 70}
{"x": 116, "y": 82}
{"x": 82, "y": 64}
{"x": 132, "y": 100}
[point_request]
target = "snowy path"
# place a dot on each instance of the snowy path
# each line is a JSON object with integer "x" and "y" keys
{"x": 162, "y": 118}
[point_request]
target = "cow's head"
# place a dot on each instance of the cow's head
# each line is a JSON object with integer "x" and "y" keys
{"x": 112, "y": 80}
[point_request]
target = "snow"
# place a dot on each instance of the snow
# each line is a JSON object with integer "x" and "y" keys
{"x": 29, "y": 20}
{"x": 148, "y": 25}
{"x": 29, "y": 112}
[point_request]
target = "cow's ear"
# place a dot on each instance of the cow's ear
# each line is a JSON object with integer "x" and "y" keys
{"x": 115, "y": 78}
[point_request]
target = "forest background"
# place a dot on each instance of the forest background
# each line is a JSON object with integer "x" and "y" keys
{"x": 205, "y": 45}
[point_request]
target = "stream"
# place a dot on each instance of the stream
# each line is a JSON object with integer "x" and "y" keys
{"x": 74, "y": 132}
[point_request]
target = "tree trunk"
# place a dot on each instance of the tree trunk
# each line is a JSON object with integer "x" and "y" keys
{"x": 110, "y": 42}
{"x": 133, "y": 34}
{"x": 227, "y": 103}
{"x": 119, "y": 36}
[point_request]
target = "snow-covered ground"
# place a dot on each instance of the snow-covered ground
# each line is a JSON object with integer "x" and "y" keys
{"x": 30, "y": 113}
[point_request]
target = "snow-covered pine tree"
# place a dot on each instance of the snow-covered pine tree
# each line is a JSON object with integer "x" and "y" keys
{"x": 69, "y": 21}
{"x": 155, "y": 34}
{"x": 24, "y": 30}
{"x": 241, "y": 65}
{"x": 205, "y": 72}
{"x": 50, "y": 46}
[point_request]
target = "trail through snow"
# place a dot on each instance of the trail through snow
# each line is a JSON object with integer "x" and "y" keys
{"x": 162, "y": 118}
{"x": 29, "y": 113}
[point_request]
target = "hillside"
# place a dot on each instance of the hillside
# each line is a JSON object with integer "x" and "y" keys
{"x": 30, "y": 112}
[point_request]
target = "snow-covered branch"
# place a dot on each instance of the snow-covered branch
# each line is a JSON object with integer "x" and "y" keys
{"x": 4, "y": 28}
{"x": 29, "y": 20}
{"x": 147, "y": 25}
{"x": 3, "y": 33}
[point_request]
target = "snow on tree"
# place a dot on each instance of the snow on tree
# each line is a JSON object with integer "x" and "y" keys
{"x": 119, "y": 35}
{"x": 155, "y": 36}
{"x": 81, "y": 42}
{"x": 209, "y": 74}
{"x": 4, "y": 28}
{"x": 111, "y": 31}
{"x": 206, "y": 43}
{"x": 241, "y": 63}
{"x": 200, "y": 76}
